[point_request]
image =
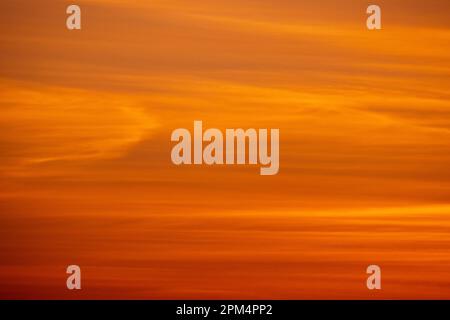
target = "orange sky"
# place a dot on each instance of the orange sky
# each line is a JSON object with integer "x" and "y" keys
{"x": 85, "y": 170}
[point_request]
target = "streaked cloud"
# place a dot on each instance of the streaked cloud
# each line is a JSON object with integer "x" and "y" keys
{"x": 85, "y": 121}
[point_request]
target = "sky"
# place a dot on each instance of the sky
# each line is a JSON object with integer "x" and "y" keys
{"x": 85, "y": 170}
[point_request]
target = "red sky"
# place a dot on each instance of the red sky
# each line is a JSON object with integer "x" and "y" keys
{"x": 85, "y": 170}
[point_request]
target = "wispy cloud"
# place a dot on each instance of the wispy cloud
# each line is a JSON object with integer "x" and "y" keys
{"x": 85, "y": 121}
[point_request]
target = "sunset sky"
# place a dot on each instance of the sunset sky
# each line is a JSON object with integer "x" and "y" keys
{"x": 86, "y": 176}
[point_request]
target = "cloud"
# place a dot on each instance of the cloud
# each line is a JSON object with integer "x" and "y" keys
{"x": 45, "y": 124}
